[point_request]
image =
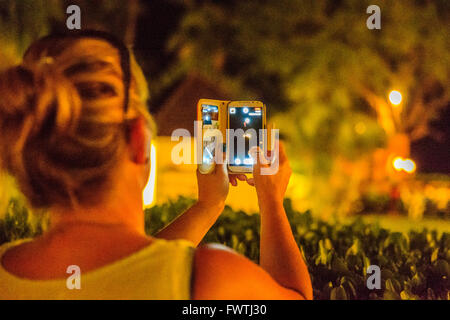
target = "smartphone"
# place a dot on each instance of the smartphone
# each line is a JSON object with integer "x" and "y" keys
{"x": 245, "y": 120}
{"x": 209, "y": 113}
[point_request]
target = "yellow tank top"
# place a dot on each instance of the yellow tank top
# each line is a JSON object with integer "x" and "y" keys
{"x": 160, "y": 271}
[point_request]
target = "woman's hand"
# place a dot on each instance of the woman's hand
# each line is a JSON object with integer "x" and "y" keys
{"x": 270, "y": 188}
{"x": 213, "y": 188}
{"x": 195, "y": 222}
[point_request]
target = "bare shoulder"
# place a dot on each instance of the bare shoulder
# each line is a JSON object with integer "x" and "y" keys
{"x": 221, "y": 273}
{"x": 19, "y": 259}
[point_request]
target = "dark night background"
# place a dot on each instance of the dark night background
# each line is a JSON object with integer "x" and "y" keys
{"x": 161, "y": 18}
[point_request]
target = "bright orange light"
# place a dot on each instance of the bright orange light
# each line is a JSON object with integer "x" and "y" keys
{"x": 149, "y": 190}
{"x": 395, "y": 97}
{"x": 406, "y": 165}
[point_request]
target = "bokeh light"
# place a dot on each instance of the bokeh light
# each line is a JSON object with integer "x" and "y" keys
{"x": 395, "y": 97}
{"x": 406, "y": 165}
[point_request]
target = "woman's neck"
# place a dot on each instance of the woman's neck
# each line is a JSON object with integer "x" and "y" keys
{"x": 122, "y": 211}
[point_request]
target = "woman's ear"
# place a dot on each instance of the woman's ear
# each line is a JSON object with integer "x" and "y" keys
{"x": 139, "y": 138}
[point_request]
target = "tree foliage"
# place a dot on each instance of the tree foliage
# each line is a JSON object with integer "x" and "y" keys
{"x": 22, "y": 22}
{"x": 318, "y": 60}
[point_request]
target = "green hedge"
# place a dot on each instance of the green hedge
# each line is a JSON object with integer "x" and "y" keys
{"x": 413, "y": 265}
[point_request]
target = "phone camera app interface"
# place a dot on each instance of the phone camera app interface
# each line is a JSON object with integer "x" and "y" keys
{"x": 250, "y": 120}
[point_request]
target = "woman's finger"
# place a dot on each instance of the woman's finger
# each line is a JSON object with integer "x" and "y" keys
{"x": 254, "y": 153}
{"x": 259, "y": 159}
{"x": 251, "y": 181}
{"x": 222, "y": 166}
{"x": 232, "y": 180}
{"x": 281, "y": 151}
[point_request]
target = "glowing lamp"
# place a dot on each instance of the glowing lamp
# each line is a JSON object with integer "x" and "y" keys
{"x": 395, "y": 97}
{"x": 409, "y": 166}
{"x": 406, "y": 165}
{"x": 397, "y": 163}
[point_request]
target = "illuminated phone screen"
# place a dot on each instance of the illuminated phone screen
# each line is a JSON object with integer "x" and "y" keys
{"x": 210, "y": 116}
{"x": 210, "y": 120}
{"x": 244, "y": 118}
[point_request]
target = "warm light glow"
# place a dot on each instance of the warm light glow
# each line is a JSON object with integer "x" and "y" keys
{"x": 395, "y": 97}
{"x": 150, "y": 188}
{"x": 397, "y": 163}
{"x": 406, "y": 165}
{"x": 409, "y": 166}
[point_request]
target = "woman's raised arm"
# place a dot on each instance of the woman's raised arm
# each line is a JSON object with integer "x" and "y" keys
{"x": 280, "y": 255}
{"x": 195, "y": 222}
{"x": 219, "y": 273}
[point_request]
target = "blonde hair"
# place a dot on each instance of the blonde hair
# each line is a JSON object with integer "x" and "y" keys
{"x": 62, "y": 120}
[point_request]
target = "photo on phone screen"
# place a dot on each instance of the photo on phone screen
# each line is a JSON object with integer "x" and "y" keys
{"x": 245, "y": 118}
{"x": 210, "y": 120}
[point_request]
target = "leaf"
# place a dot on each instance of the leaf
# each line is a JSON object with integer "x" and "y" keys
{"x": 393, "y": 285}
{"x": 248, "y": 234}
{"x": 338, "y": 264}
{"x": 323, "y": 254}
{"x": 355, "y": 248}
{"x": 390, "y": 295}
{"x": 366, "y": 264}
{"x": 328, "y": 244}
{"x": 349, "y": 286}
{"x": 405, "y": 295}
{"x": 434, "y": 255}
{"x": 442, "y": 268}
{"x": 338, "y": 294}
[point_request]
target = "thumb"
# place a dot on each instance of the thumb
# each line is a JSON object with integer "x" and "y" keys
{"x": 221, "y": 163}
{"x": 255, "y": 155}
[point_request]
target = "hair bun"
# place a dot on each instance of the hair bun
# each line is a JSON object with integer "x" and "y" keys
{"x": 42, "y": 93}
{"x": 62, "y": 120}
{"x": 36, "y": 102}
{"x": 17, "y": 91}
